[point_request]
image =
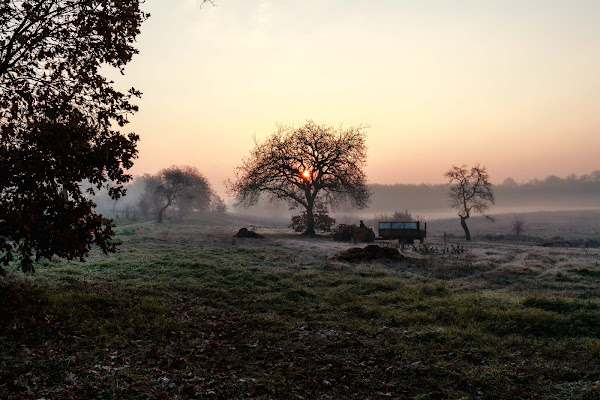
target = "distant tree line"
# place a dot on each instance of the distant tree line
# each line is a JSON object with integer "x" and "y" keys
{"x": 572, "y": 191}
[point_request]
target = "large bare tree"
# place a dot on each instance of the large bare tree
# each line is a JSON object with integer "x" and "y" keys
{"x": 304, "y": 166}
{"x": 470, "y": 191}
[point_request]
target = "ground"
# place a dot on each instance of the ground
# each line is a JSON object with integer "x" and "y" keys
{"x": 188, "y": 311}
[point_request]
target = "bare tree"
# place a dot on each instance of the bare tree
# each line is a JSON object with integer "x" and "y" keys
{"x": 470, "y": 191}
{"x": 518, "y": 225}
{"x": 183, "y": 187}
{"x": 305, "y": 166}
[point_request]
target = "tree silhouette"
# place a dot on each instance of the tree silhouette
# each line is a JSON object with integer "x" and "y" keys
{"x": 182, "y": 187}
{"x": 323, "y": 221}
{"x": 304, "y": 166}
{"x": 59, "y": 120}
{"x": 518, "y": 224}
{"x": 470, "y": 191}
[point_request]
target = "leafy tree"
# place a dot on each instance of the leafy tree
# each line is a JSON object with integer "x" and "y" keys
{"x": 323, "y": 222}
{"x": 304, "y": 166}
{"x": 182, "y": 187}
{"x": 59, "y": 121}
{"x": 470, "y": 191}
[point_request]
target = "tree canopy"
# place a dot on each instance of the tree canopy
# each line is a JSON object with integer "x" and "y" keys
{"x": 181, "y": 187}
{"x": 305, "y": 165}
{"x": 59, "y": 123}
{"x": 470, "y": 191}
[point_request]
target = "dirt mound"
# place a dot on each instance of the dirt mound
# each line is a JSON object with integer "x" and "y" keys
{"x": 245, "y": 233}
{"x": 371, "y": 252}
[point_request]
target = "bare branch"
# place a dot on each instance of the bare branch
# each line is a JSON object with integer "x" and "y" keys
{"x": 470, "y": 191}
{"x": 303, "y": 165}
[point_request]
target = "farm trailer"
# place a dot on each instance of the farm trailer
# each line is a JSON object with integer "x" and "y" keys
{"x": 405, "y": 232}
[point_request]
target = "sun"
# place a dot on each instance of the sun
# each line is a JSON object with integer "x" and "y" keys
{"x": 306, "y": 174}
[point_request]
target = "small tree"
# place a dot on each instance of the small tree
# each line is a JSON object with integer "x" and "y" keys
{"x": 323, "y": 222}
{"x": 305, "y": 166}
{"x": 470, "y": 191}
{"x": 182, "y": 187}
{"x": 518, "y": 225}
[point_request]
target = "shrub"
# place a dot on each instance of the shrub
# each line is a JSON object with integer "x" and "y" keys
{"x": 323, "y": 222}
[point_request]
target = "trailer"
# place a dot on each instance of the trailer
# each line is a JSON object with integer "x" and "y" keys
{"x": 405, "y": 232}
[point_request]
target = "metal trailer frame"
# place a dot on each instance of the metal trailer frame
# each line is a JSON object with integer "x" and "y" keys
{"x": 406, "y": 232}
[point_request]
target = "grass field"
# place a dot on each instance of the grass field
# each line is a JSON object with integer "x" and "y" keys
{"x": 190, "y": 312}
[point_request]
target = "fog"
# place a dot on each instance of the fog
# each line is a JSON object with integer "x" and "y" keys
{"x": 429, "y": 202}
{"x": 549, "y": 194}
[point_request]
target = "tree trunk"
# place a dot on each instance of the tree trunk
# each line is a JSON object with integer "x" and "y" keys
{"x": 160, "y": 214}
{"x": 310, "y": 219}
{"x": 463, "y": 222}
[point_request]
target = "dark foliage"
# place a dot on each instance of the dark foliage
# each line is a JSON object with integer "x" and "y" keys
{"x": 304, "y": 166}
{"x": 57, "y": 123}
{"x": 323, "y": 222}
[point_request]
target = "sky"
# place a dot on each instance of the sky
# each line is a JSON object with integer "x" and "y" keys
{"x": 513, "y": 85}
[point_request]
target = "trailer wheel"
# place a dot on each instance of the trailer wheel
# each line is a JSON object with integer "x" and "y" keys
{"x": 360, "y": 236}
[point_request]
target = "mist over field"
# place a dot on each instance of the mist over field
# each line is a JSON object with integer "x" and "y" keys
{"x": 428, "y": 201}
{"x": 551, "y": 193}
{"x": 431, "y": 201}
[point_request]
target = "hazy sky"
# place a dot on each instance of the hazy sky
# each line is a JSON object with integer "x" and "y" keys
{"x": 514, "y": 85}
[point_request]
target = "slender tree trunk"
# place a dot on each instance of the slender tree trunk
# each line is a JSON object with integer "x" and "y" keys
{"x": 463, "y": 222}
{"x": 310, "y": 219}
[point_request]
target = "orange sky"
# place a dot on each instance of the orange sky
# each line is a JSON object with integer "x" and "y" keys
{"x": 511, "y": 84}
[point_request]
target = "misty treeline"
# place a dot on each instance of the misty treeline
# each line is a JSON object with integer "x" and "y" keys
{"x": 175, "y": 193}
{"x": 422, "y": 200}
{"x": 570, "y": 192}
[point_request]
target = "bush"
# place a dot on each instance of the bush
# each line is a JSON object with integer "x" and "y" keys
{"x": 323, "y": 222}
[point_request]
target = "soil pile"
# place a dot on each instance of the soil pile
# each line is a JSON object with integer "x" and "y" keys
{"x": 371, "y": 252}
{"x": 245, "y": 233}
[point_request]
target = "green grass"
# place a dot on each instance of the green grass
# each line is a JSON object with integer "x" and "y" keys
{"x": 184, "y": 312}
